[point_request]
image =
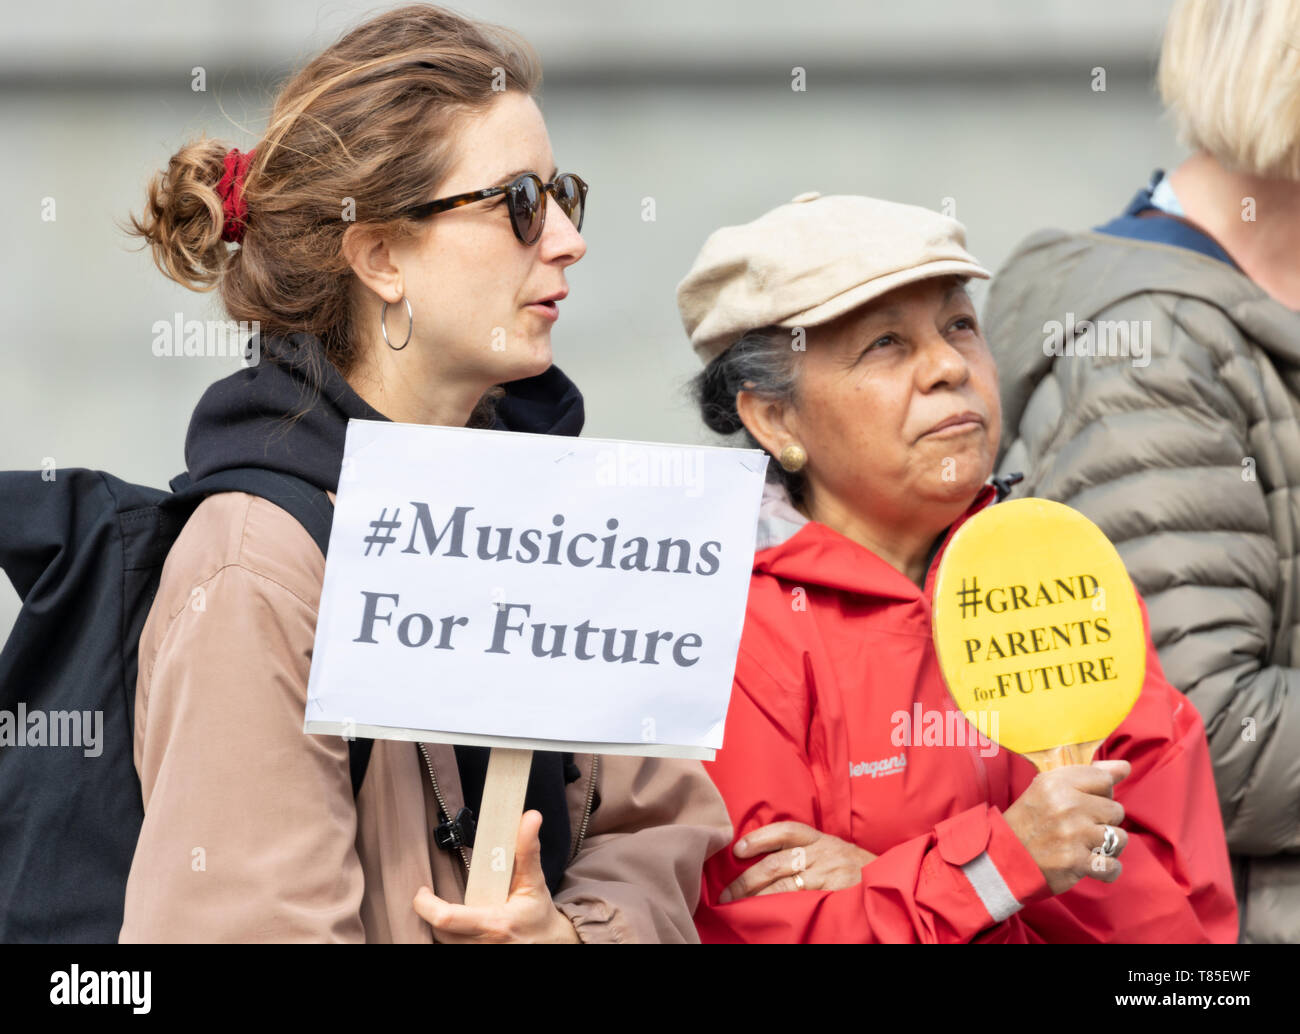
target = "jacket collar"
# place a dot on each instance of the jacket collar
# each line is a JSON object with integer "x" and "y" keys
{"x": 791, "y": 547}
{"x": 290, "y": 413}
{"x": 1164, "y": 227}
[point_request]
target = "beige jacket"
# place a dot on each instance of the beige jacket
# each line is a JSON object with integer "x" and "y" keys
{"x": 250, "y": 830}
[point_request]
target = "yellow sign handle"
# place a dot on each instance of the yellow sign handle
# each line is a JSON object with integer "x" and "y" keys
{"x": 1059, "y": 757}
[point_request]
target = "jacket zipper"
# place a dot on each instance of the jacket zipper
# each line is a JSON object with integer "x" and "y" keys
{"x": 586, "y": 811}
{"x": 442, "y": 805}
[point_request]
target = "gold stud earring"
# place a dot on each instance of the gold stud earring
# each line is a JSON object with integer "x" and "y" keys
{"x": 792, "y": 458}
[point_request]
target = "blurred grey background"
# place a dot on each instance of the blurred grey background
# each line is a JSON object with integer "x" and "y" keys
{"x": 989, "y": 104}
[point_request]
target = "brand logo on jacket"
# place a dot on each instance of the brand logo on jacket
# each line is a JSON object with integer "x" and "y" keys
{"x": 883, "y": 767}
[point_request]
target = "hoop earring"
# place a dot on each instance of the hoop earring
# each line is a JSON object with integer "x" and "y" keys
{"x": 383, "y": 325}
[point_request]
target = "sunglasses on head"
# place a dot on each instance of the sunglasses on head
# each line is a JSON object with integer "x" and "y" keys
{"x": 526, "y": 199}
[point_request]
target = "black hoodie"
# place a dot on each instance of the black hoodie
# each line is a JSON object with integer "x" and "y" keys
{"x": 245, "y": 420}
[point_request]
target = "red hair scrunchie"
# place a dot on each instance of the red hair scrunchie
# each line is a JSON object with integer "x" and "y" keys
{"x": 231, "y": 189}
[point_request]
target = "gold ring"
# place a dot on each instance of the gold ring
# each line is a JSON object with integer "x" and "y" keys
{"x": 798, "y": 881}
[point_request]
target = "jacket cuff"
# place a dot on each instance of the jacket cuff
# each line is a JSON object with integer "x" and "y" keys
{"x": 997, "y": 865}
{"x": 1017, "y": 866}
{"x": 594, "y": 922}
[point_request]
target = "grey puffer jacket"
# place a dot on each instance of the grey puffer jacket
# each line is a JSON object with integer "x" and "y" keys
{"x": 1187, "y": 454}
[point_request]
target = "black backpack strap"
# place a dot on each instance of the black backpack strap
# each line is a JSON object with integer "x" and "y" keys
{"x": 309, "y": 504}
{"x": 359, "y": 761}
{"x": 313, "y": 510}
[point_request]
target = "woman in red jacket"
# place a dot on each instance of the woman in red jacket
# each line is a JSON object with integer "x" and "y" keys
{"x": 840, "y": 339}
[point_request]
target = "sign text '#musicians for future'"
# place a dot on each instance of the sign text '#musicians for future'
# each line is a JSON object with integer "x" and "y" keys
{"x": 671, "y": 554}
{"x": 415, "y": 629}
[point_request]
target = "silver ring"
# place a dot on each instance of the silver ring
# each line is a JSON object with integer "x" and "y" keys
{"x": 1110, "y": 842}
{"x": 383, "y": 324}
{"x": 798, "y": 881}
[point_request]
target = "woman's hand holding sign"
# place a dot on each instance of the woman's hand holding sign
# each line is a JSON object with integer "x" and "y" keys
{"x": 529, "y": 916}
{"x": 1060, "y": 819}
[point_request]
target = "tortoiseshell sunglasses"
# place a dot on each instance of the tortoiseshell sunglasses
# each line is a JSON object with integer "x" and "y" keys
{"x": 525, "y": 197}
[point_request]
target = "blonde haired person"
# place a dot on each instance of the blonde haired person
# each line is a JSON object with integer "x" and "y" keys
{"x": 1230, "y": 78}
{"x": 463, "y": 225}
{"x": 1149, "y": 380}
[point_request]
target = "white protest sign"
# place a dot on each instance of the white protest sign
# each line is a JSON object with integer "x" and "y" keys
{"x": 534, "y": 591}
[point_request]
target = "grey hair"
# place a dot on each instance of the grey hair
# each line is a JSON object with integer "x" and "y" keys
{"x": 763, "y": 361}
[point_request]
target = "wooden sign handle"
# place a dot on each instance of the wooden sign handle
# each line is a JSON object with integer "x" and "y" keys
{"x": 498, "y": 826}
{"x": 1059, "y": 757}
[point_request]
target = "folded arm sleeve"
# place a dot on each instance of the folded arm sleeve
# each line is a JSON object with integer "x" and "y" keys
{"x": 966, "y": 877}
{"x": 637, "y": 875}
{"x": 249, "y": 827}
{"x": 1166, "y": 459}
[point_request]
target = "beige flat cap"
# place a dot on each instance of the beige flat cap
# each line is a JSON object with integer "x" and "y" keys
{"x": 810, "y": 261}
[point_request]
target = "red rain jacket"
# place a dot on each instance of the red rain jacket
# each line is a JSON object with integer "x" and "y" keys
{"x": 836, "y": 648}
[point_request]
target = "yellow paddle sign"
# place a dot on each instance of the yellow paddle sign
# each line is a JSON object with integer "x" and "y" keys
{"x": 1038, "y": 630}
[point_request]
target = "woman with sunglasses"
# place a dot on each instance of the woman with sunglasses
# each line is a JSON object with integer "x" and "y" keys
{"x": 400, "y": 251}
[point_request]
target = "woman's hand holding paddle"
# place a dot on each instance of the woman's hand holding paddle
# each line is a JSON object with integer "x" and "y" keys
{"x": 1059, "y": 819}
